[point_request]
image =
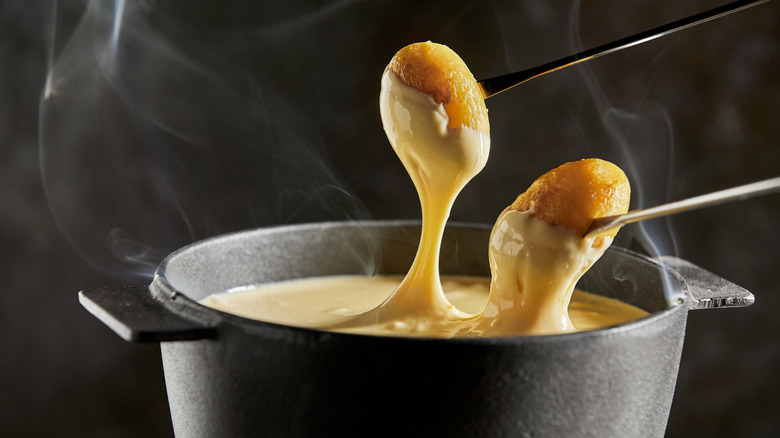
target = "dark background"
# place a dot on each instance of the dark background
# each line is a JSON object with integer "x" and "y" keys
{"x": 173, "y": 121}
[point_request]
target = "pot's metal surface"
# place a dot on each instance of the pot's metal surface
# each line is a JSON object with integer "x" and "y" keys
{"x": 230, "y": 376}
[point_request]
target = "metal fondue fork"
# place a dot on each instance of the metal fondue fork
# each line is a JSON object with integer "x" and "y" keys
{"x": 498, "y": 84}
{"x": 604, "y": 224}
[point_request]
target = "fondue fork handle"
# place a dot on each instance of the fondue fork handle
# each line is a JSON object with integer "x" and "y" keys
{"x": 137, "y": 316}
{"x": 498, "y": 84}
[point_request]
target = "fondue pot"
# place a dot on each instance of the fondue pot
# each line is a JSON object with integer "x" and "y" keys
{"x": 231, "y": 376}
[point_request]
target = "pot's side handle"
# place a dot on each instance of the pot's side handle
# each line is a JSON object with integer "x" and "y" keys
{"x": 135, "y": 315}
{"x": 707, "y": 289}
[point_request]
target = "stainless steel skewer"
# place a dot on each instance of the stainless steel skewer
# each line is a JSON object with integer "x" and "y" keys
{"x": 498, "y": 84}
{"x": 604, "y": 224}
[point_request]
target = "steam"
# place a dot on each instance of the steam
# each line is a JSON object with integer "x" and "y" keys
{"x": 643, "y": 135}
{"x": 165, "y": 122}
{"x": 636, "y": 134}
{"x": 157, "y": 129}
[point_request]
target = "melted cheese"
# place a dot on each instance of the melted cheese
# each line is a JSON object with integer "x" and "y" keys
{"x": 534, "y": 268}
{"x": 535, "y": 265}
{"x": 325, "y": 301}
{"x": 440, "y": 162}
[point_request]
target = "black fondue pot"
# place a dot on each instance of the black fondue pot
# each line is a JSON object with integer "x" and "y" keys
{"x": 229, "y": 376}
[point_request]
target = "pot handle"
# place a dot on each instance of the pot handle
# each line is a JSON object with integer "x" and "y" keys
{"x": 708, "y": 290}
{"x": 135, "y": 315}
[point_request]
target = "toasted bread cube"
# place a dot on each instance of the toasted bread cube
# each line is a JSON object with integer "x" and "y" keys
{"x": 437, "y": 70}
{"x": 575, "y": 193}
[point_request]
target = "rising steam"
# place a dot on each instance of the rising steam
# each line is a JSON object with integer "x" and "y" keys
{"x": 158, "y": 128}
{"x": 164, "y": 122}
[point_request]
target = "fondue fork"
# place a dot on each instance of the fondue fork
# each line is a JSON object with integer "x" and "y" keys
{"x": 740, "y": 193}
{"x": 498, "y": 84}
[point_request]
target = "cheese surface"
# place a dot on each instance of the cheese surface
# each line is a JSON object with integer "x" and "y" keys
{"x": 321, "y": 301}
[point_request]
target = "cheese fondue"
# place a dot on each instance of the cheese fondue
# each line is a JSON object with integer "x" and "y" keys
{"x": 537, "y": 252}
{"x": 434, "y": 114}
{"x": 534, "y": 268}
{"x": 326, "y": 301}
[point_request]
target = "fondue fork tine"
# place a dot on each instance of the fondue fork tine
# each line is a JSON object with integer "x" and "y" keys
{"x": 740, "y": 193}
{"x": 498, "y": 84}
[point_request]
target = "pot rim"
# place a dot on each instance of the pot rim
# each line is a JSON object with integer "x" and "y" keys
{"x": 180, "y": 302}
